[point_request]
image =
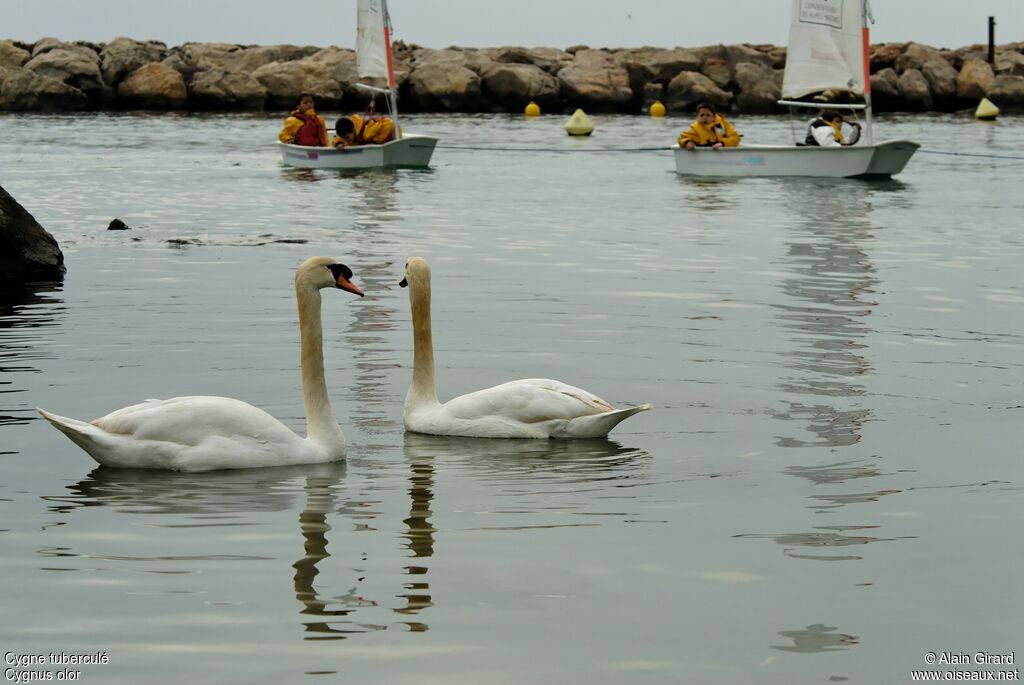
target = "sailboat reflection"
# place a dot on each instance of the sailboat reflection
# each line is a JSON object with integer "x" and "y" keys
{"x": 828, "y": 312}
{"x": 816, "y": 638}
{"x": 829, "y": 304}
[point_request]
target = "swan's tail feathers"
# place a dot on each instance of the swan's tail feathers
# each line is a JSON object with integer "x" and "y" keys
{"x": 87, "y": 436}
{"x": 598, "y": 425}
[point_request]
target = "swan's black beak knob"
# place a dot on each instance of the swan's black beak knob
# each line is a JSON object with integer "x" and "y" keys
{"x": 342, "y": 274}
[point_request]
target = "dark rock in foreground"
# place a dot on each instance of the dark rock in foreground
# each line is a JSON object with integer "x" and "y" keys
{"x": 55, "y": 76}
{"x": 27, "y": 251}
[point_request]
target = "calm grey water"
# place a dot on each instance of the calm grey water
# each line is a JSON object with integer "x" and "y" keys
{"x": 828, "y": 489}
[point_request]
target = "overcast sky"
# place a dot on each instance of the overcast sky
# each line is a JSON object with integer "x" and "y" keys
{"x": 491, "y": 23}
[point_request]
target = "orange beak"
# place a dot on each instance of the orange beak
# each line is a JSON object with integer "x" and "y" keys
{"x": 348, "y": 285}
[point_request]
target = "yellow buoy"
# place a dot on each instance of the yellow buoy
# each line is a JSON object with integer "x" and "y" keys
{"x": 579, "y": 124}
{"x": 986, "y": 110}
{"x": 657, "y": 109}
{"x": 532, "y": 109}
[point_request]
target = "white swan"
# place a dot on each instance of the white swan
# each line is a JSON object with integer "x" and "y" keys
{"x": 528, "y": 408}
{"x": 207, "y": 433}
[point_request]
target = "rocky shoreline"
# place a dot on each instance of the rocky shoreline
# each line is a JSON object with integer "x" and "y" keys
{"x": 126, "y": 74}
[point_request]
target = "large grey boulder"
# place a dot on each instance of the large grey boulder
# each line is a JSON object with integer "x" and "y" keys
{"x": 884, "y": 56}
{"x": 237, "y": 58}
{"x": 1008, "y": 92}
{"x": 249, "y": 59}
{"x": 975, "y": 79}
{"x": 738, "y": 54}
{"x": 341, "y": 66}
{"x": 11, "y": 55}
{"x": 122, "y": 56}
{"x": 218, "y": 89}
{"x": 437, "y": 86}
{"x": 44, "y": 45}
{"x": 27, "y": 251}
{"x": 180, "y": 64}
{"x": 915, "y": 56}
{"x": 78, "y": 68}
{"x": 885, "y": 91}
{"x": 778, "y": 55}
{"x": 915, "y": 91}
{"x": 594, "y": 81}
{"x": 1007, "y": 62}
{"x": 285, "y": 81}
{"x": 474, "y": 60}
{"x": 941, "y": 77}
{"x": 551, "y": 60}
{"x": 153, "y": 86}
{"x": 717, "y": 69}
{"x": 653, "y": 65}
{"x": 760, "y": 88}
{"x": 23, "y": 90}
{"x": 513, "y": 86}
{"x": 689, "y": 88}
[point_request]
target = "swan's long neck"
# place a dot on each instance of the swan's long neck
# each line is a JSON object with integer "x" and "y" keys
{"x": 321, "y": 426}
{"x": 423, "y": 389}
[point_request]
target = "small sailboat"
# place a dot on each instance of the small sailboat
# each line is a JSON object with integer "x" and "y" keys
{"x": 828, "y": 49}
{"x": 373, "y": 61}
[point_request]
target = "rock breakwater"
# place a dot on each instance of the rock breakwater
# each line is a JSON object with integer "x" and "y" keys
{"x": 124, "y": 74}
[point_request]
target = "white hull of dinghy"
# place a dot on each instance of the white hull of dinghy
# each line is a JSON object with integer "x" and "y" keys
{"x": 408, "y": 151}
{"x": 865, "y": 161}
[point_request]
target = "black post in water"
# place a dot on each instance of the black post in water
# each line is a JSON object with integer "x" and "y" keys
{"x": 991, "y": 40}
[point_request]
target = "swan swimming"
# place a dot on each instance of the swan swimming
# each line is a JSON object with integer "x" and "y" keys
{"x": 527, "y": 408}
{"x": 202, "y": 433}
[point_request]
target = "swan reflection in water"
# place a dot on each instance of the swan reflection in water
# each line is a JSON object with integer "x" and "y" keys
{"x": 320, "y": 494}
{"x": 224, "y": 498}
{"x": 570, "y": 461}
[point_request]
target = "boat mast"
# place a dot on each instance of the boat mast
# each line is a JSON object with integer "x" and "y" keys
{"x": 392, "y": 87}
{"x": 865, "y": 16}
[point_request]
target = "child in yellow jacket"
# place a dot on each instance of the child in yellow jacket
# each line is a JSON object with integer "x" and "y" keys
{"x": 710, "y": 129}
{"x": 355, "y": 130}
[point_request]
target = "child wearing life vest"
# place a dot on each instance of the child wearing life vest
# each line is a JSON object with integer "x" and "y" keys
{"x": 304, "y": 126}
{"x": 357, "y": 130}
{"x": 710, "y": 129}
{"x": 826, "y": 130}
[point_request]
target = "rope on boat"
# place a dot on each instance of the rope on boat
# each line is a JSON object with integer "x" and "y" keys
{"x": 552, "y": 149}
{"x": 475, "y": 148}
{"x": 970, "y": 154}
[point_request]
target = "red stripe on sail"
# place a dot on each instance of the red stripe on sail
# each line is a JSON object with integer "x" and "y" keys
{"x": 391, "y": 67}
{"x": 865, "y": 50}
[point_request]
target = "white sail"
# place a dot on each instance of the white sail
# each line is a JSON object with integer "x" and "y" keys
{"x": 371, "y": 44}
{"x": 825, "y": 47}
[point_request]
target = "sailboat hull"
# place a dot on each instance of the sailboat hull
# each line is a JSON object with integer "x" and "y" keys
{"x": 408, "y": 151}
{"x": 856, "y": 161}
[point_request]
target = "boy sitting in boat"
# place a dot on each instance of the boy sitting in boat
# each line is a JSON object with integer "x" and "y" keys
{"x": 710, "y": 129}
{"x": 363, "y": 129}
{"x": 826, "y": 130}
{"x": 304, "y": 126}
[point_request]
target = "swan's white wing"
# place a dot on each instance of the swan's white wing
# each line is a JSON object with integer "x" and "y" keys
{"x": 189, "y": 434}
{"x": 529, "y": 401}
{"x": 189, "y": 421}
